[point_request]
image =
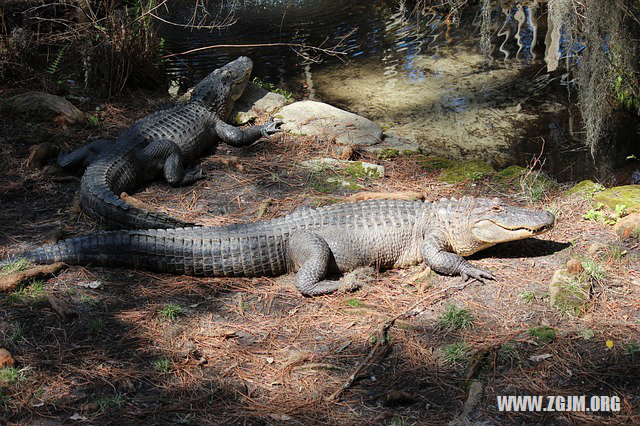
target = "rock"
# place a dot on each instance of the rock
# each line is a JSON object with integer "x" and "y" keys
{"x": 628, "y": 227}
{"x": 574, "y": 266}
{"x": 320, "y": 164}
{"x": 392, "y": 142}
{"x": 39, "y": 102}
{"x": 256, "y": 102}
{"x": 318, "y": 119}
{"x": 585, "y": 189}
{"x": 597, "y": 248}
{"x": 6, "y": 360}
{"x": 567, "y": 293}
{"x": 628, "y": 195}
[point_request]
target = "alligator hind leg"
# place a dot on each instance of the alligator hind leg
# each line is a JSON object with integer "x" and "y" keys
{"x": 167, "y": 155}
{"x": 82, "y": 157}
{"x": 313, "y": 255}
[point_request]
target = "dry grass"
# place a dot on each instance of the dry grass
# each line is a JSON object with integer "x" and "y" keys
{"x": 256, "y": 351}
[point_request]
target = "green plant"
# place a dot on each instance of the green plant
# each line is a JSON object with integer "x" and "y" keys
{"x": 507, "y": 352}
{"x": 544, "y": 333}
{"x": 16, "y": 334}
{"x": 528, "y": 296}
{"x": 355, "y": 303}
{"x": 96, "y": 325}
{"x": 108, "y": 402}
{"x": 632, "y": 349}
{"x": 533, "y": 185}
{"x": 171, "y": 312}
{"x": 11, "y": 375}
{"x": 271, "y": 87}
{"x": 593, "y": 270}
{"x": 388, "y": 153}
{"x": 162, "y": 364}
{"x": 397, "y": 421}
{"x": 84, "y": 298}
{"x": 53, "y": 67}
{"x": 598, "y": 215}
{"x": 15, "y": 266}
{"x": 587, "y": 334}
{"x": 32, "y": 292}
{"x": 455, "y": 353}
{"x": 454, "y": 318}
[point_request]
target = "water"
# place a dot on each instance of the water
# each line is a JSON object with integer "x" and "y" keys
{"x": 420, "y": 77}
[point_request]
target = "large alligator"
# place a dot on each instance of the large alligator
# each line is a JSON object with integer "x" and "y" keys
{"x": 162, "y": 142}
{"x": 316, "y": 242}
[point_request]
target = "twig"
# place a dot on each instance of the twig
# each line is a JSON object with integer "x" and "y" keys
{"x": 382, "y": 337}
{"x": 331, "y": 51}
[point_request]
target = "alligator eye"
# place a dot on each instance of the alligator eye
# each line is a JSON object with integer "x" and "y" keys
{"x": 497, "y": 209}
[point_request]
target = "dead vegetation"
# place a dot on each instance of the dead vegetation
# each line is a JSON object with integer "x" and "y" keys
{"x": 109, "y": 345}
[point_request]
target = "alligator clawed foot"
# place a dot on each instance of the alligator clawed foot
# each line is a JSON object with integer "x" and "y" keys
{"x": 477, "y": 274}
{"x": 193, "y": 176}
{"x": 272, "y": 126}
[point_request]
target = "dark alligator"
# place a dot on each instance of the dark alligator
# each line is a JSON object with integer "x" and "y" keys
{"x": 162, "y": 142}
{"x": 316, "y": 242}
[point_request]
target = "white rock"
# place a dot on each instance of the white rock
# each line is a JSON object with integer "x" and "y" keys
{"x": 255, "y": 102}
{"x": 318, "y": 119}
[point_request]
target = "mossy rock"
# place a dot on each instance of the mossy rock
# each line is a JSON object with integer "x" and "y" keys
{"x": 510, "y": 173}
{"x": 568, "y": 293}
{"x": 628, "y": 195}
{"x": 585, "y": 189}
{"x": 472, "y": 170}
{"x": 432, "y": 163}
{"x": 363, "y": 170}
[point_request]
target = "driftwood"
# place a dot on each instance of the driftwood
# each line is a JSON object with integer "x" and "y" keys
{"x": 40, "y": 102}
{"x": 12, "y": 281}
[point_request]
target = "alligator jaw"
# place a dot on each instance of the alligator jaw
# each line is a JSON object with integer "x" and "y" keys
{"x": 493, "y": 232}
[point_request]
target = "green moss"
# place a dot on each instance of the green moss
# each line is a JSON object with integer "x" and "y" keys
{"x": 544, "y": 333}
{"x": 357, "y": 170}
{"x": 432, "y": 163}
{"x": 472, "y": 170}
{"x": 585, "y": 189}
{"x": 388, "y": 153}
{"x": 628, "y": 195}
{"x": 510, "y": 173}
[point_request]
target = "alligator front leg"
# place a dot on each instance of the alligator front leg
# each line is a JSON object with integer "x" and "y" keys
{"x": 313, "y": 256}
{"x": 167, "y": 155}
{"x": 238, "y": 137}
{"x": 83, "y": 156}
{"x": 445, "y": 262}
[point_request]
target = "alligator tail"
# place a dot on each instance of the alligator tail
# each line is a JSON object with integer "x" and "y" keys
{"x": 100, "y": 202}
{"x": 100, "y": 248}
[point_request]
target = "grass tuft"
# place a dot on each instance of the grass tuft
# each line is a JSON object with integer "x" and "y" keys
{"x": 454, "y": 318}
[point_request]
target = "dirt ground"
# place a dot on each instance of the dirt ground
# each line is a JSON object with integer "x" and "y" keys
{"x": 134, "y": 347}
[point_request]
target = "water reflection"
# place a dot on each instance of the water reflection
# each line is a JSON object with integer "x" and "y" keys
{"x": 419, "y": 76}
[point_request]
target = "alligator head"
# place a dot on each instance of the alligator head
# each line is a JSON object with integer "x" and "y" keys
{"x": 222, "y": 88}
{"x": 474, "y": 224}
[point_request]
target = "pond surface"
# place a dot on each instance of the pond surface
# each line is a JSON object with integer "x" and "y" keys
{"x": 419, "y": 76}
